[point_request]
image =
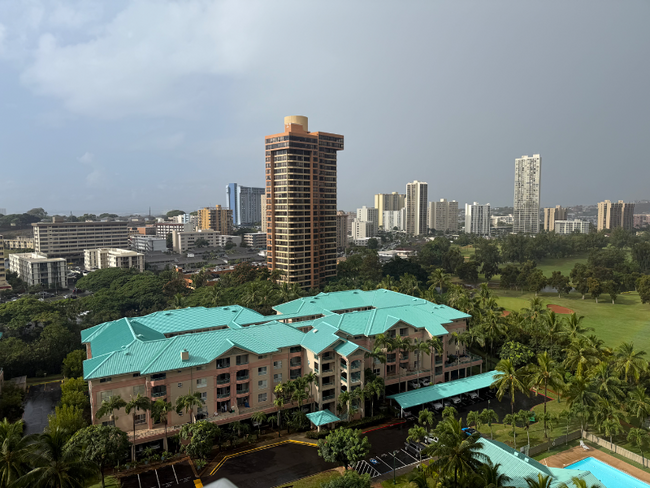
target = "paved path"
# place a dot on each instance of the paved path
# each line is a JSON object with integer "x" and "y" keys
{"x": 39, "y": 403}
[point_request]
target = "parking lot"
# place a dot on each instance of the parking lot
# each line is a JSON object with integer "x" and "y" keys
{"x": 383, "y": 443}
{"x": 179, "y": 475}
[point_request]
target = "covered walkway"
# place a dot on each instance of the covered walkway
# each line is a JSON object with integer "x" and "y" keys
{"x": 322, "y": 417}
{"x": 441, "y": 391}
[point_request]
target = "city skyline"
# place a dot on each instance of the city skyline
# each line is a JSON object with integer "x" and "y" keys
{"x": 81, "y": 111}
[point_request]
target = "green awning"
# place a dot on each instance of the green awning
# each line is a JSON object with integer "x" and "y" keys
{"x": 322, "y": 417}
{"x": 440, "y": 391}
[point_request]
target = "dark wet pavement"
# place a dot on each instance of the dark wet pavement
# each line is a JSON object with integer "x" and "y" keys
{"x": 165, "y": 477}
{"x": 39, "y": 403}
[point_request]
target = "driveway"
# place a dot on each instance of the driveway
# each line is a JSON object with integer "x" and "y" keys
{"x": 39, "y": 403}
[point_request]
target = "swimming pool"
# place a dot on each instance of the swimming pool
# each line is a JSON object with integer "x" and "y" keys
{"x": 610, "y": 476}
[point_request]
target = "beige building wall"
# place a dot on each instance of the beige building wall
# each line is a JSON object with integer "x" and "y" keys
{"x": 217, "y": 219}
{"x": 551, "y": 215}
{"x": 416, "y": 208}
{"x": 19, "y": 243}
{"x": 265, "y": 224}
{"x": 341, "y": 230}
{"x": 3, "y": 275}
{"x": 388, "y": 202}
{"x": 443, "y": 215}
{"x": 613, "y": 215}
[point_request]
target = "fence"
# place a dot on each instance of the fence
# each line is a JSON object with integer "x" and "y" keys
{"x": 563, "y": 439}
{"x": 616, "y": 449}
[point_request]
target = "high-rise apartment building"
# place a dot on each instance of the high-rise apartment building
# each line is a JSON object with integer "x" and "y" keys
{"x": 417, "y": 194}
{"x": 615, "y": 214}
{"x": 528, "y": 180}
{"x": 477, "y": 219}
{"x": 395, "y": 220}
{"x": 341, "y": 230}
{"x": 244, "y": 201}
{"x": 362, "y": 229}
{"x": 59, "y": 239}
{"x": 386, "y": 202}
{"x": 369, "y": 214}
{"x": 216, "y": 218}
{"x": 301, "y": 202}
{"x": 443, "y": 215}
{"x": 551, "y": 215}
{"x": 3, "y": 276}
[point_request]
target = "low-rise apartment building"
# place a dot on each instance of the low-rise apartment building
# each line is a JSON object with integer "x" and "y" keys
{"x": 256, "y": 240}
{"x": 571, "y": 226}
{"x": 3, "y": 275}
{"x": 641, "y": 220}
{"x": 165, "y": 228}
{"x": 37, "y": 269}
{"x": 19, "y": 242}
{"x": 142, "y": 243}
{"x": 183, "y": 241}
{"x": 103, "y": 258}
{"x": 235, "y": 356}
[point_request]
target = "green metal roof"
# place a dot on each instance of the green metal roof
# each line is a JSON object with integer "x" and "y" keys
{"x": 443, "y": 390}
{"x": 347, "y": 348}
{"x": 322, "y": 417}
{"x": 518, "y": 466}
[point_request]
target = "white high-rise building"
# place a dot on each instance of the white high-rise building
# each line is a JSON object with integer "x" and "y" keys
{"x": 369, "y": 214}
{"x": 477, "y": 219}
{"x": 385, "y": 202}
{"x": 417, "y": 194}
{"x": 361, "y": 229}
{"x": 395, "y": 219}
{"x": 528, "y": 180}
{"x": 443, "y": 215}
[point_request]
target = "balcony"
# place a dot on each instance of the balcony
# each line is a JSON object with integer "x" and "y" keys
{"x": 355, "y": 378}
{"x": 438, "y": 360}
{"x": 328, "y": 356}
{"x": 223, "y": 363}
{"x": 242, "y": 375}
{"x": 242, "y": 391}
{"x": 390, "y": 358}
{"x": 462, "y": 359}
{"x": 406, "y": 373}
{"x": 344, "y": 365}
{"x": 223, "y": 392}
{"x": 329, "y": 396}
{"x": 223, "y": 379}
{"x": 355, "y": 364}
{"x": 344, "y": 379}
{"x": 328, "y": 369}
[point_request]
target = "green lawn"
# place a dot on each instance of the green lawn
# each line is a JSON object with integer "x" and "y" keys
{"x": 626, "y": 321}
{"x": 561, "y": 264}
{"x": 314, "y": 481}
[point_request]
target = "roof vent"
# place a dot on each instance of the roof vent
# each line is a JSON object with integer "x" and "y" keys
{"x": 185, "y": 356}
{"x": 315, "y": 330}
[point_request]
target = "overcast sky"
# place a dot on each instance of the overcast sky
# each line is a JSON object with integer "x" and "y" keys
{"x": 121, "y": 105}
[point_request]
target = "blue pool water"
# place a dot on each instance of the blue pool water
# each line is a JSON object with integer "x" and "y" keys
{"x": 611, "y": 477}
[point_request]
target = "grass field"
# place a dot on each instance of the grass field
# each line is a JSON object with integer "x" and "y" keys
{"x": 565, "y": 265}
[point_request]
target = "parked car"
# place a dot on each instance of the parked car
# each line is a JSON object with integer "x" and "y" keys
{"x": 430, "y": 439}
{"x": 425, "y": 381}
{"x": 414, "y": 448}
{"x": 414, "y": 384}
{"x": 469, "y": 431}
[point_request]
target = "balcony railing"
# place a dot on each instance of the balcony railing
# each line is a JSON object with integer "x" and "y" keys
{"x": 467, "y": 358}
{"x": 328, "y": 397}
{"x": 356, "y": 379}
{"x": 241, "y": 392}
{"x": 343, "y": 378}
{"x": 223, "y": 395}
{"x": 223, "y": 381}
{"x": 242, "y": 377}
{"x": 408, "y": 373}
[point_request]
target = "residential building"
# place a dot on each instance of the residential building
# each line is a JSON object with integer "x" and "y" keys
{"x": 640, "y": 220}
{"x": 19, "y": 242}
{"x": 59, "y": 239}
{"x": 145, "y": 244}
{"x": 369, "y": 214}
{"x": 37, "y": 269}
{"x": 341, "y": 230}
{"x": 501, "y": 220}
{"x": 388, "y": 202}
{"x": 362, "y": 229}
{"x": 144, "y": 230}
{"x": 477, "y": 219}
{"x": 571, "y": 226}
{"x": 361, "y": 241}
{"x": 551, "y": 215}
{"x": 528, "y": 180}
{"x": 256, "y": 240}
{"x": 244, "y": 201}
{"x": 264, "y": 225}
{"x": 218, "y": 219}
{"x": 182, "y": 219}
{"x": 416, "y": 208}
{"x": 301, "y": 202}
{"x": 612, "y": 215}
{"x": 351, "y": 217}
{"x": 443, "y": 215}
{"x": 163, "y": 229}
{"x": 3, "y": 275}
{"x": 103, "y": 258}
{"x": 183, "y": 241}
{"x": 234, "y": 356}
{"x": 394, "y": 219}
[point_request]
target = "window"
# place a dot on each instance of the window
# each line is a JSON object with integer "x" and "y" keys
{"x": 277, "y": 378}
{"x": 356, "y": 364}
{"x": 263, "y": 384}
{"x": 204, "y": 396}
{"x": 243, "y": 359}
{"x": 105, "y": 395}
{"x": 263, "y": 356}
{"x": 105, "y": 380}
{"x": 376, "y": 372}
{"x": 200, "y": 368}
{"x": 201, "y": 382}
{"x": 295, "y": 362}
{"x": 158, "y": 376}
{"x": 180, "y": 385}
{"x": 295, "y": 349}
{"x": 277, "y": 364}
{"x": 316, "y": 370}
{"x": 159, "y": 391}
{"x": 404, "y": 332}
{"x": 261, "y": 371}
{"x": 391, "y": 333}
{"x": 262, "y": 397}
{"x": 141, "y": 419}
{"x": 404, "y": 356}
{"x": 138, "y": 390}
{"x": 223, "y": 363}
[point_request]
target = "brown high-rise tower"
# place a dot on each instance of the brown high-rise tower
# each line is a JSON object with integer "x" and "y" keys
{"x": 301, "y": 202}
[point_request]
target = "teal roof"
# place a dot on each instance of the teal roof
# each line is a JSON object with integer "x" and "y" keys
{"x": 437, "y": 392}
{"x": 518, "y": 466}
{"x": 322, "y": 417}
{"x": 347, "y": 348}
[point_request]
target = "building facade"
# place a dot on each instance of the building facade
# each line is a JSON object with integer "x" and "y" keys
{"x": 163, "y": 229}
{"x": 184, "y": 241}
{"x": 264, "y": 225}
{"x": 301, "y": 202}
{"x": 395, "y": 220}
{"x": 417, "y": 194}
{"x": 216, "y": 218}
{"x": 234, "y": 357}
{"x": 641, "y": 220}
{"x": 551, "y": 215}
{"x": 443, "y": 215}
{"x": 341, "y": 231}
{"x": 37, "y": 269}
{"x": 571, "y": 226}
{"x": 369, "y": 214}
{"x": 477, "y": 219}
{"x": 528, "y": 181}
{"x": 388, "y": 202}
{"x": 3, "y": 274}
{"x": 141, "y": 243}
{"x": 362, "y": 229}
{"x": 612, "y": 215}
{"x": 256, "y": 240}
{"x": 19, "y": 242}
{"x": 103, "y": 258}
{"x": 244, "y": 201}
{"x": 58, "y": 239}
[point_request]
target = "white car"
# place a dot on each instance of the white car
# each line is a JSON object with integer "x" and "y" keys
{"x": 414, "y": 384}
{"x": 425, "y": 382}
{"x": 429, "y": 439}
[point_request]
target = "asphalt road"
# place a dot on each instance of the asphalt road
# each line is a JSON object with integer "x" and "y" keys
{"x": 39, "y": 403}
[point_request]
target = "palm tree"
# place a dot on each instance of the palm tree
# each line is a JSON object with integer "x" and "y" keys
{"x": 214, "y": 295}
{"x": 638, "y": 403}
{"x": 439, "y": 279}
{"x": 492, "y": 477}
{"x": 473, "y": 418}
{"x": 378, "y": 356}
{"x": 300, "y": 395}
{"x": 542, "y": 481}
{"x": 160, "y": 409}
{"x": 488, "y": 416}
{"x": 109, "y": 406}
{"x": 611, "y": 427}
{"x": 310, "y": 379}
{"x": 409, "y": 285}
{"x": 535, "y": 310}
{"x": 580, "y": 356}
{"x": 273, "y": 420}
{"x": 344, "y": 402}
{"x": 508, "y": 380}
{"x": 417, "y": 433}
{"x": 419, "y": 347}
{"x": 279, "y": 392}
{"x": 57, "y": 464}
{"x": 544, "y": 374}
{"x": 259, "y": 418}
{"x": 573, "y": 329}
{"x": 401, "y": 345}
{"x": 523, "y": 416}
{"x": 638, "y": 438}
{"x": 511, "y": 419}
{"x": 493, "y": 327}
{"x": 426, "y": 418}
{"x": 580, "y": 483}
{"x": 606, "y": 383}
{"x": 187, "y": 403}
{"x": 178, "y": 301}
{"x": 554, "y": 326}
{"x": 629, "y": 361}
{"x": 374, "y": 389}
{"x": 434, "y": 344}
{"x": 136, "y": 404}
{"x": 15, "y": 452}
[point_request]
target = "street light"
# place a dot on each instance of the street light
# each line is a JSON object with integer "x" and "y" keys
{"x": 394, "y": 456}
